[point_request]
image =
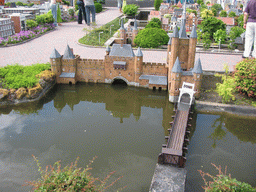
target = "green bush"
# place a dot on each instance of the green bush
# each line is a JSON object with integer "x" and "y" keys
{"x": 154, "y": 23}
{"x": 224, "y": 183}
{"x": 223, "y": 13}
{"x": 45, "y": 18}
{"x": 235, "y": 32}
{"x": 151, "y": 38}
{"x": 157, "y": 4}
{"x": 16, "y": 76}
{"x": 19, "y": 3}
{"x": 66, "y": 2}
{"x": 240, "y": 21}
{"x": 217, "y": 7}
{"x": 232, "y": 14}
{"x": 130, "y": 10}
{"x": 214, "y": 11}
{"x": 71, "y": 11}
{"x": 220, "y": 35}
{"x": 211, "y": 25}
{"x": 31, "y": 23}
{"x": 30, "y": 4}
{"x": 59, "y": 19}
{"x": 98, "y": 7}
{"x": 70, "y": 178}
{"x": 245, "y": 77}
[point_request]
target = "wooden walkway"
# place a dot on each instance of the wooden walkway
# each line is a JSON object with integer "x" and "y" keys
{"x": 174, "y": 151}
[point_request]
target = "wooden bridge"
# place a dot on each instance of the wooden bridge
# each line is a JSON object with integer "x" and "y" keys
{"x": 173, "y": 152}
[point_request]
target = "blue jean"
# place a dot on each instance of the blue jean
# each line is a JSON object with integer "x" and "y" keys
{"x": 90, "y": 9}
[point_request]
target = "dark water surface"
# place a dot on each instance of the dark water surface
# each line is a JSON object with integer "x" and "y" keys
{"x": 123, "y": 126}
{"x": 226, "y": 140}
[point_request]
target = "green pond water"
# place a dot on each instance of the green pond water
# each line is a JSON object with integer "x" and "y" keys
{"x": 125, "y": 128}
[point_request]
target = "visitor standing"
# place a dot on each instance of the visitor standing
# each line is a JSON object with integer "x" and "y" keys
{"x": 119, "y": 5}
{"x": 90, "y": 8}
{"x": 250, "y": 26}
{"x": 81, "y": 12}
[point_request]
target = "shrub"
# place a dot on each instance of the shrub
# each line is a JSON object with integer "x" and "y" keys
{"x": 223, "y": 13}
{"x": 226, "y": 89}
{"x": 16, "y": 76}
{"x": 151, "y": 38}
{"x": 245, "y": 77}
{"x": 240, "y": 21}
{"x": 31, "y": 23}
{"x": 220, "y": 35}
{"x": 45, "y": 18}
{"x": 59, "y": 19}
{"x": 211, "y": 25}
{"x": 235, "y": 32}
{"x": 70, "y": 178}
{"x": 98, "y": 7}
{"x": 66, "y": 2}
{"x": 19, "y": 3}
{"x": 157, "y": 4}
{"x": 206, "y": 40}
{"x": 214, "y": 11}
{"x": 232, "y": 14}
{"x": 154, "y": 23}
{"x": 30, "y": 4}
{"x": 223, "y": 182}
{"x": 71, "y": 11}
{"x": 130, "y": 10}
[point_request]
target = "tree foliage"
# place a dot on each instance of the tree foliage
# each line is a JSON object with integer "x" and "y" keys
{"x": 151, "y": 38}
{"x": 223, "y": 13}
{"x": 211, "y": 25}
{"x": 206, "y": 13}
{"x": 157, "y": 4}
{"x": 130, "y": 10}
{"x": 217, "y": 7}
{"x": 214, "y": 11}
{"x": 220, "y": 35}
{"x": 98, "y": 7}
{"x": 231, "y": 14}
{"x": 59, "y": 19}
{"x": 154, "y": 23}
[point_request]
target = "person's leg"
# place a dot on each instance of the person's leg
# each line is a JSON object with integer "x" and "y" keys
{"x": 254, "y": 40}
{"x": 249, "y": 36}
{"x": 93, "y": 13}
{"x": 87, "y": 10}
{"x": 80, "y": 18}
{"x": 85, "y": 16}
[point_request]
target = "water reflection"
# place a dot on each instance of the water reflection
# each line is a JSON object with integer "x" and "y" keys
{"x": 222, "y": 139}
{"x": 124, "y": 127}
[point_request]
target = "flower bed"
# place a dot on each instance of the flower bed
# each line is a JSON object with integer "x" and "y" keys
{"x": 25, "y": 35}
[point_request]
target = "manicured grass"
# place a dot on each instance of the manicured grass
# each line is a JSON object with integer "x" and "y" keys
{"x": 92, "y": 38}
{"x": 16, "y": 76}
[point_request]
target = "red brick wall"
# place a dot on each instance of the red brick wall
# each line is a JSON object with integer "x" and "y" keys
{"x": 16, "y": 21}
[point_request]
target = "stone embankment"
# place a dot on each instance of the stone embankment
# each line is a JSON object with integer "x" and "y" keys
{"x": 25, "y": 95}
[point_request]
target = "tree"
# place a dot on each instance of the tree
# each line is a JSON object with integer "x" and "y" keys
{"x": 59, "y": 19}
{"x": 231, "y": 14}
{"x": 223, "y": 13}
{"x": 217, "y": 7}
{"x": 157, "y": 4}
{"x": 208, "y": 2}
{"x": 214, "y": 11}
{"x": 206, "y": 40}
{"x": 206, "y": 13}
{"x": 211, "y": 25}
{"x": 151, "y": 38}
{"x": 220, "y": 35}
{"x": 200, "y": 2}
{"x": 240, "y": 21}
{"x": 154, "y": 23}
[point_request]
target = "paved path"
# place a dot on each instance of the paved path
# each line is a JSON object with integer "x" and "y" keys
{"x": 39, "y": 50}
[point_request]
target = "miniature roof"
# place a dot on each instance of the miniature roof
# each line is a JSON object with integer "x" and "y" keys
{"x": 227, "y": 20}
{"x": 182, "y": 32}
{"x": 135, "y": 25}
{"x": 198, "y": 67}
{"x": 108, "y": 48}
{"x": 68, "y": 54}
{"x": 67, "y": 75}
{"x": 155, "y": 79}
{"x": 124, "y": 51}
{"x": 176, "y": 67}
{"x": 193, "y": 32}
{"x": 55, "y": 54}
{"x": 139, "y": 53}
{"x": 122, "y": 24}
{"x": 175, "y": 32}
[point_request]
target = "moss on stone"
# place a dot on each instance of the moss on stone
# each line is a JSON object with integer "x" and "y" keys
{"x": 21, "y": 92}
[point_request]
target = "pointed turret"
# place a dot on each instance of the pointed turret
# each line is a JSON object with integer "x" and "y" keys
{"x": 138, "y": 53}
{"x": 193, "y": 32}
{"x": 55, "y": 54}
{"x": 175, "y": 32}
{"x": 176, "y": 67}
{"x": 198, "y": 67}
{"x": 68, "y": 54}
{"x": 182, "y": 32}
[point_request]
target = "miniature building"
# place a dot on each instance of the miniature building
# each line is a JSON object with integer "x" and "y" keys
{"x": 6, "y": 27}
{"x": 33, "y": 11}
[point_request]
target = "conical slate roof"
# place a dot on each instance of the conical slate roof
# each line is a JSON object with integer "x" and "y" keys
{"x": 135, "y": 25}
{"x": 68, "y": 54}
{"x": 108, "y": 48}
{"x": 139, "y": 53}
{"x": 198, "y": 67}
{"x": 175, "y": 32}
{"x": 55, "y": 54}
{"x": 176, "y": 67}
{"x": 182, "y": 32}
{"x": 193, "y": 32}
{"x": 122, "y": 24}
